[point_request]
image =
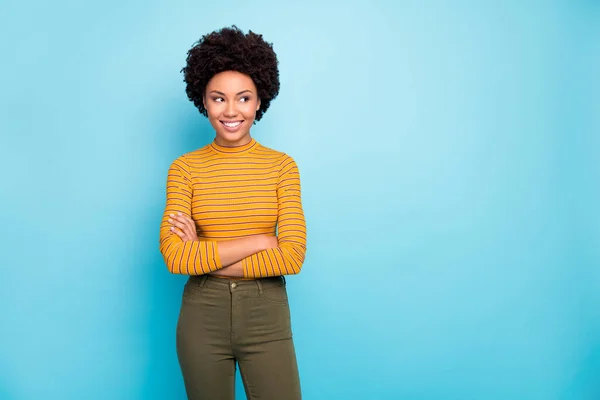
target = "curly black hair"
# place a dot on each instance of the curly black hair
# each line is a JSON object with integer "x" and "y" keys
{"x": 229, "y": 49}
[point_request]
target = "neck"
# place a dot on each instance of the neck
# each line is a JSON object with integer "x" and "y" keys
{"x": 226, "y": 143}
{"x": 236, "y": 148}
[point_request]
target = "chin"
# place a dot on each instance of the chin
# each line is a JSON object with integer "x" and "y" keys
{"x": 229, "y": 137}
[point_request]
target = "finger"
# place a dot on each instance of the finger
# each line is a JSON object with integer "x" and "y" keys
{"x": 186, "y": 225}
{"x": 188, "y": 221}
{"x": 190, "y": 224}
{"x": 183, "y": 234}
{"x": 179, "y": 233}
{"x": 178, "y": 224}
{"x": 179, "y": 220}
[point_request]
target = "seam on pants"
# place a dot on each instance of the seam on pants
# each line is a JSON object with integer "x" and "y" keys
{"x": 231, "y": 312}
{"x": 259, "y": 286}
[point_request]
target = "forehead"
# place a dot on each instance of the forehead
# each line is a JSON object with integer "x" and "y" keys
{"x": 230, "y": 82}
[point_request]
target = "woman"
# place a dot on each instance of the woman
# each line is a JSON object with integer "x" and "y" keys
{"x": 224, "y": 204}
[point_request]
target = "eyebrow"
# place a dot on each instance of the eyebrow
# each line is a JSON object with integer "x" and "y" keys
{"x": 223, "y": 94}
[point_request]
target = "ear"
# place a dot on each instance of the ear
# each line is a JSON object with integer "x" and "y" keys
{"x": 258, "y": 105}
{"x": 204, "y": 101}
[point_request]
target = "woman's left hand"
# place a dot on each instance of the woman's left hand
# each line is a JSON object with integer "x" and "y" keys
{"x": 184, "y": 227}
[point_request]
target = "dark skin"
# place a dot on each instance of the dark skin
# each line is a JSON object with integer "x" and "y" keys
{"x": 230, "y": 96}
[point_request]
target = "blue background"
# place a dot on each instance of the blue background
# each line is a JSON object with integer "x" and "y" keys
{"x": 449, "y": 162}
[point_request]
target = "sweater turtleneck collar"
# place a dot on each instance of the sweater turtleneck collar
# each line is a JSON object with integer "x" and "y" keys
{"x": 238, "y": 150}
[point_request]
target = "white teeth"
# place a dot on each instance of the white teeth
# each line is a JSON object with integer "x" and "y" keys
{"x": 232, "y": 124}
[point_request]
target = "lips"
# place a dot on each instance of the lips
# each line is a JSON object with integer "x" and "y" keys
{"x": 232, "y": 126}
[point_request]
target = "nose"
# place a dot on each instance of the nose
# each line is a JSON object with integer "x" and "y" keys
{"x": 230, "y": 110}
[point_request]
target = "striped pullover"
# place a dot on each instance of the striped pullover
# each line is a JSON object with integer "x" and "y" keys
{"x": 231, "y": 193}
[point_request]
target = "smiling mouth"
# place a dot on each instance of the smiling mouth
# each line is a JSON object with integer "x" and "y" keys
{"x": 232, "y": 124}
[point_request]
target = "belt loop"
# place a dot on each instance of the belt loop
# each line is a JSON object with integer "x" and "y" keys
{"x": 203, "y": 279}
{"x": 259, "y": 286}
{"x": 283, "y": 277}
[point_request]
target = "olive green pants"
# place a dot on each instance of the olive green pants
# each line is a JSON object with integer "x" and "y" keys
{"x": 223, "y": 322}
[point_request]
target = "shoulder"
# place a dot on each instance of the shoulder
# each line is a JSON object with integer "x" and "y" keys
{"x": 284, "y": 163}
{"x": 195, "y": 155}
{"x": 183, "y": 161}
{"x": 281, "y": 157}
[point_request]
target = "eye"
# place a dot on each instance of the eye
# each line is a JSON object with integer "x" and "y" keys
{"x": 218, "y": 99}
{"x": 245, "y": 99}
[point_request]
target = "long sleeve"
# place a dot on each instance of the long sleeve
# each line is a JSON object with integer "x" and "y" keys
{"x": 288, "y": 257}
{"x": 189, "y": 258}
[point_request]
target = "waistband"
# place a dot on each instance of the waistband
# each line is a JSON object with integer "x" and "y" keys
{"x": 209, "y": 280}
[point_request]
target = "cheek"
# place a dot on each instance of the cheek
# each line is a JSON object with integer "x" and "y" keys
{"x": 213, "y": 111}
{"x": 250, "y": 109}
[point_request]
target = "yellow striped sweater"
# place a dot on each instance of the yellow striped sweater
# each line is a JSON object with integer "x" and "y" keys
{"x": 232, "y": 192}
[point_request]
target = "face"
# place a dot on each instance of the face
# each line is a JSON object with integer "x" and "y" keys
{"x": 231, "y": 101}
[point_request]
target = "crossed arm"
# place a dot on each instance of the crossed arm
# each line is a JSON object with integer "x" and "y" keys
{"x": 231, "y": 252}
{"x": 254, "y": 256}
